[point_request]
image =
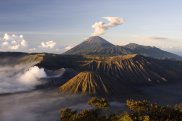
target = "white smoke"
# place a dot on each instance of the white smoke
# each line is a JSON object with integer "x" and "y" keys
{"x": 100, "y": 27}
{"x": 17, "y": 78}
{"x": 32, "y": 76}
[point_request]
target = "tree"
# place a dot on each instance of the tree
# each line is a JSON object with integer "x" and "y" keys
{"x": 179, "y": 107}
{"x": 98, "y": 103}
{"x": 66, "y": 114}
{"x": 125, "y": 117}
{"x": 138, "y": 111}
{"x": 153, "y": 111}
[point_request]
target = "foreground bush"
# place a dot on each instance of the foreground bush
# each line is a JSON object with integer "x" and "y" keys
{"x": 154, "y": 112}
{"x": 137, "y": 111}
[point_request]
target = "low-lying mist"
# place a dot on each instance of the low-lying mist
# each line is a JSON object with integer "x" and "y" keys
{"x": 42, "y": 105}
{"x": 19, "y": 78}
{"x": 37, "y": 105}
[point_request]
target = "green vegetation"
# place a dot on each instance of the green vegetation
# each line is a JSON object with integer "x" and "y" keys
{"x": 137, "y": 111}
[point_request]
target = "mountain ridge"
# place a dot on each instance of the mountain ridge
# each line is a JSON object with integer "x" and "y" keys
{"x": 91, "y": 44}
{"x": 120, "y": 73}
{"x": 96, "y": 45}
{"x": 103, "y": 75}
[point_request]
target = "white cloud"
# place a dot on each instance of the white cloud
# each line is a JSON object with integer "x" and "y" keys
{"x": 13, "y": 42}
{"x": 23, "y": 43}
{"x": 21, "y": 36}
{"x": 100, "y": 27}
{"x": 49, "y": 44}
{"x": 5, "y": 43}
{"x": 6, "y": 36}
{"x": 32, "y": 49}
{"x": 68, "y": 47}
{"x": 14, "y": 47}
{"x": 16, "y": 42}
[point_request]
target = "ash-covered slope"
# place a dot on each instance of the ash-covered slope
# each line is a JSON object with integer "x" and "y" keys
{"x": 121, "y": 74}
{"x": 103, "y": 75}
{"x": 87, "y": 82}
{"x": 151, "y": 52}
{"x": 14, "y": 58}
{"x": 96, "y": 45}
{"x": 91, "y": 45}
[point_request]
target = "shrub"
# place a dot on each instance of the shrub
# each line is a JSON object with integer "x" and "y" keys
{"x": 98, "y": 103}
{"x": 138, "y": 111}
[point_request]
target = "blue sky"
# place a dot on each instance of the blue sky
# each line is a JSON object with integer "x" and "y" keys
{"x": 68, "y": 22}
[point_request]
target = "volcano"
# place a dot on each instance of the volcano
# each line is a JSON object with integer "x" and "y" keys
{"x": 96, "y": 45}
{"x": 100, "y": 75}
{"x": 119, "y": 74}
{"x": 87, "y": 82}
{"x": 91, "y": 45}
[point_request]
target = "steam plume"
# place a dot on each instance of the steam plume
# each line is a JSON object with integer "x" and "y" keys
{"x": 100, "y": 27}
{"x": 31, "y": 76}
{"x": 11, "y": 81}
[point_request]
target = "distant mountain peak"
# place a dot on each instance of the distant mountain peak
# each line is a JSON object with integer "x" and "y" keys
{"x": 93, "y": 43}
{"x": 94, "y": 37}
{"x": 97, "y": 39}
{"x": 96, "y": 45}
{"x": 134, "y": 45}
